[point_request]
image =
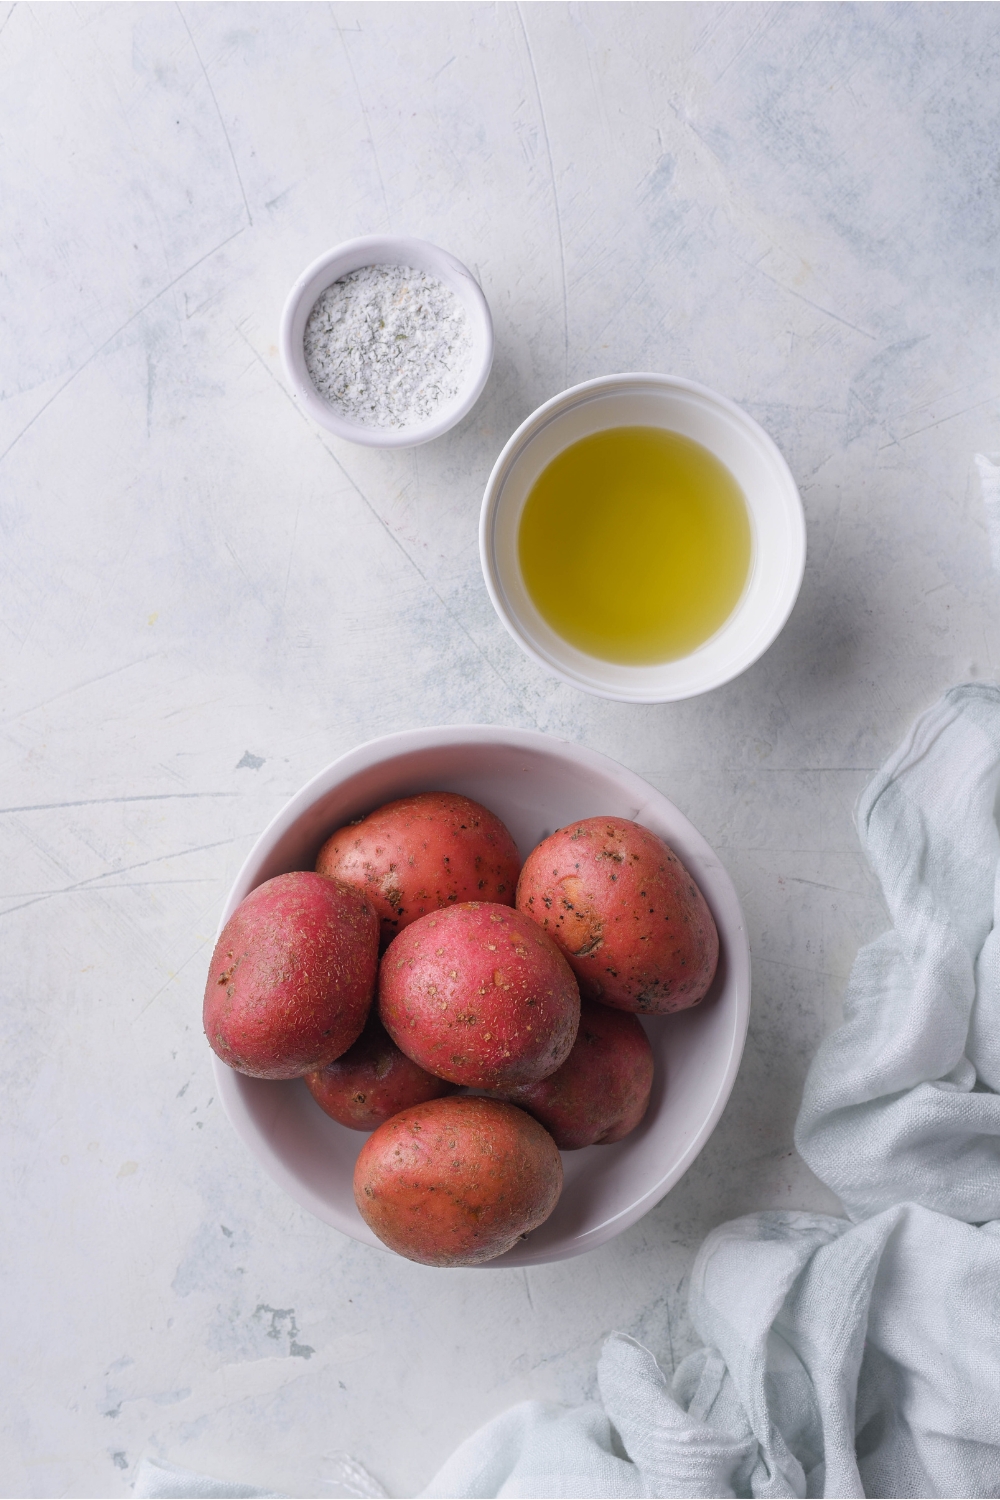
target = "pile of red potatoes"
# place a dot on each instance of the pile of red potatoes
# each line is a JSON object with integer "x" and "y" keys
{"x": 521, "y": 985}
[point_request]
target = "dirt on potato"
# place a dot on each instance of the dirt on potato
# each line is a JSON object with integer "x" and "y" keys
{"x": 458, "y": 1181}
{"x": 625, "y": 911}
{"x": 292, "y": 977}
{"x": 601, "y": 1092}
{"x": 372, "y": 1081}
{"x": 422, "y": 853}
{"x": 479, "y": 995}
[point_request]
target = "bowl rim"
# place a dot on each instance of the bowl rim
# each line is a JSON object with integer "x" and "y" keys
{"x": 562, "y": 403}
{"x": 384, "y": 249}
{"x": 726, "y": 907}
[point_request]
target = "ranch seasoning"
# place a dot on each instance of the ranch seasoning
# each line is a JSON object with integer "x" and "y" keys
{"x": 387, "y": 345}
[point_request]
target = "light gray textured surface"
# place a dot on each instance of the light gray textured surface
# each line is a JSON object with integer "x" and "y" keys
{"x": 204, "y": 600}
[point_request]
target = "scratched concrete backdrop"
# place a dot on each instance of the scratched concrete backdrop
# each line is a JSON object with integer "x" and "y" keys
{"x": 203, "y": 602}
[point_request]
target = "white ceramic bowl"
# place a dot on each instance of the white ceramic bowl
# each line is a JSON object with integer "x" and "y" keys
{"x": 386, "y": 250}
{"x": 776, "y": 519}
{"x": 536, "y": 784}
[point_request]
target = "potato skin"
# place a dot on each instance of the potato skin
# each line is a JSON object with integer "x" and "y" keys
{"x": 625, "y": 911}
{"x": 601, "y": 1091}
{"x": 292, "y": 977}
{"x": 479, "y": 995}
{"x": 372, "y": 1081}
{"x": 422, "y": 853}
{"x": 458, "y": 1181}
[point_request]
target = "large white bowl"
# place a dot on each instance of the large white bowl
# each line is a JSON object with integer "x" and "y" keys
{"x": 776, "y": 520}
{"x": 386, "y": 250}
{"x": 535, "y": 783}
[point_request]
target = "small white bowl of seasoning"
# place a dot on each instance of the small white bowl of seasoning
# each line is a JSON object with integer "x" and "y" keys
{"x": 387, "y": 341}
{"x": 642, "y": 538}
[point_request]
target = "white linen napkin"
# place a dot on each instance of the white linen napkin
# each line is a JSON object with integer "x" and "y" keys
{"x": 155, "y": 1479}
{"x": 843, "y": 1357}
{"x": 342, "y": 1479}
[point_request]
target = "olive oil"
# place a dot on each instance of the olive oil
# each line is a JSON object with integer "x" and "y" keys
{"x": 635, "y": 544}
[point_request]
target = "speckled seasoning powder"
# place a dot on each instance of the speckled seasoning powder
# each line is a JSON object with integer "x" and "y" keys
{"x": 387, "y": 346}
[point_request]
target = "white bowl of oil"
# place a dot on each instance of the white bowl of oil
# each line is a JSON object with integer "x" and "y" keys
{"x": 642, "y": 538}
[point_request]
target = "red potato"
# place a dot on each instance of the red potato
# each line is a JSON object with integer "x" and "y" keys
{"x": 457, "y": 1182}
{"x": 601, "y": 1091}
{"x": 292, "y": 977}
{"x": 479, "y": 995}
{"x": 422, "y": 853}
{"x": 372, "y": 1081}
{"x": 625, "y": 911}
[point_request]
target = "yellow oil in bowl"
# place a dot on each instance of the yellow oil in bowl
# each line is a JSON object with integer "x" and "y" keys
{"x": 635, "y": 545}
